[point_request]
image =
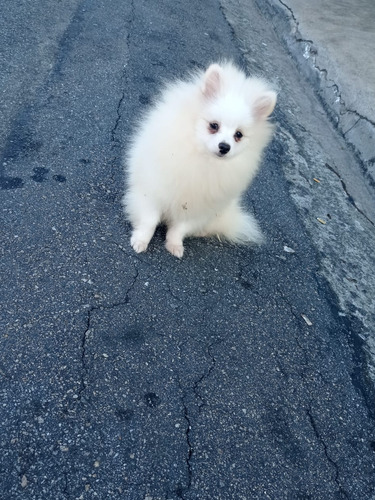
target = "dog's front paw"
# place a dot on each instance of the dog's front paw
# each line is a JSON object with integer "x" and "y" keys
{"x": 176, "y": 250}
{"x": 138, "y": 245}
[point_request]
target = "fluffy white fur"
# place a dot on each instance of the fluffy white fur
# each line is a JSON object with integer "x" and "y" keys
{"x": 195, "y": 153}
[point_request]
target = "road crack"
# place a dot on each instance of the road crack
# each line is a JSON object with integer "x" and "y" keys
{"x": 84, "y": 368}
{"x": 205, "y": 375}
{"x": 89, "y": 330}
{"x": 190, "y": 447}
{"x": 350, "y": 198}
{"x": 180, "y": 490}
{"x": 326, "y": 453}
{"x": 308, "y": 410}
{"x": 123, "y": 77}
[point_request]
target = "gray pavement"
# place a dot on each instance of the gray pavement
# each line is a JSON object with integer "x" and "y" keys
{"x": 235, "y": 373}
{"x": 333, "y": 43}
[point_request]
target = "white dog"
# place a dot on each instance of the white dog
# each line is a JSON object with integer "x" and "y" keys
{"x": 195, "y": 153}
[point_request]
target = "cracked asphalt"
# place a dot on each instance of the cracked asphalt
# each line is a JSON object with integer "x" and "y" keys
{"x": 235, "y": 373}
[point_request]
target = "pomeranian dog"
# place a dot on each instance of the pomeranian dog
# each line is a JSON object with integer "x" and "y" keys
{"x": 195, "y": 153}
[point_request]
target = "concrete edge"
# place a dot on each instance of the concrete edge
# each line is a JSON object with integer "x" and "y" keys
{"x": 357, "y": 130}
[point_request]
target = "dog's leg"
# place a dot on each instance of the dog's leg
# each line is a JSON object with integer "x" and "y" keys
{"x": 174, "y": 239}
{"x": 143, "y": 231}
{"x": 144, "y": 218}
{"x": 141, "y": 237}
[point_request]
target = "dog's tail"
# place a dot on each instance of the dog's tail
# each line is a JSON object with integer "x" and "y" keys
{"x": 236, "y": 225}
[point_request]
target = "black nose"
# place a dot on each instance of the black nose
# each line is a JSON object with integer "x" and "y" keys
{"x": 224, "y": 148}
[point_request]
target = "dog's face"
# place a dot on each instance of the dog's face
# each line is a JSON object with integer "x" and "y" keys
{"x": 230, "y": 111}
{"x": 225, "y": 126}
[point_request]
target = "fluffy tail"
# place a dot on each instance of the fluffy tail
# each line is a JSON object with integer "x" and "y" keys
{"x": 236, "y": 226}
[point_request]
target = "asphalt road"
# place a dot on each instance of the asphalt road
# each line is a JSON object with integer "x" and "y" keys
{"x": 142, "y": 376}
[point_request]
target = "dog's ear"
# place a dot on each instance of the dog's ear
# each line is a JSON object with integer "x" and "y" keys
{"x": 264, "y": 104}
{"x": 212, "y": 81}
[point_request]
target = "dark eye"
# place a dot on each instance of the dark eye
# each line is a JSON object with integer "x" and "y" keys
{"x": 238, "y": 135}
{"x": 214, "y": 127}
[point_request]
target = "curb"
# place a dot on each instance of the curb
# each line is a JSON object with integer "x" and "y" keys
{"x": 357, "y": 130}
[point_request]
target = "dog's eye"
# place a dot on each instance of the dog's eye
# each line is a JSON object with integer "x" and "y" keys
{"x": 238, "y": 135}
{"x": 214, "y": 127}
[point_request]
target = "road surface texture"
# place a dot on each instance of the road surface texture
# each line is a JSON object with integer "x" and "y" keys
{"x": 235, "y": 373}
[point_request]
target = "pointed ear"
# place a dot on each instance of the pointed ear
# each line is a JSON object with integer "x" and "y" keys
{"x": 212, "y": 81}
{"x": 264, "y": 104}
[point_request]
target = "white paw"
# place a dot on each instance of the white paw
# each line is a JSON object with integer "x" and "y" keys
{"x": 138, "y": 245}
{"x": 176, "y": 250}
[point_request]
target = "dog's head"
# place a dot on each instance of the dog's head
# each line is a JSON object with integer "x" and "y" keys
{"x": 233, "y": 107}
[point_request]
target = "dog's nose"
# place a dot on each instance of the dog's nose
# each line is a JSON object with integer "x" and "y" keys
{"x": 224, "y": 148}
